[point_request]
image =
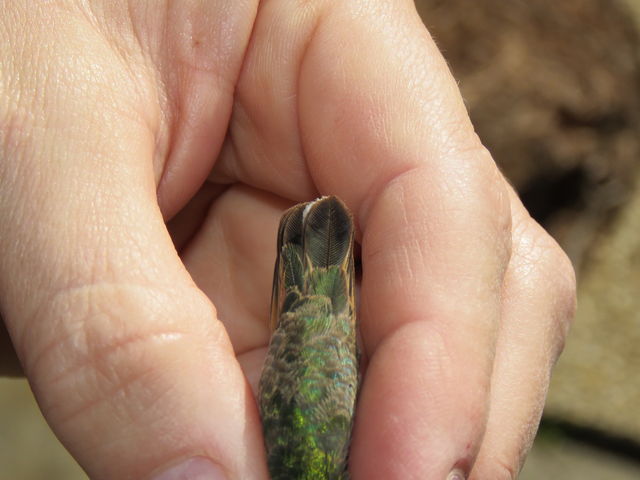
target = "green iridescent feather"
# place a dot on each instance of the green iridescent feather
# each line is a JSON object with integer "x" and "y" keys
{"x": 308, "y": 387}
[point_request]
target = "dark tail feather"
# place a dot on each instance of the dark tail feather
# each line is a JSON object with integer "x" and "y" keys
{"x": 311, "y": 236}
{"x": 327, "y": 232}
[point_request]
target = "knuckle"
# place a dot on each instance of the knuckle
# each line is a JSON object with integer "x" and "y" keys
{"x": 557, "y": 271}
{"x": 483, "y": 192}
{"x": 503, "y": 470}
{"x": 566, "y": 287}
{"x": 496, "y": 468}
{"x": 479, "y": 175}
{"x": 546, "y": 270}
{"x": 469, "y": 185}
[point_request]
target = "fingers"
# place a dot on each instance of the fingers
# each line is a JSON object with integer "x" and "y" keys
{"x": 263, "y": 147}
{"x": 430, "y": 310}
{"x": 198, "y": 49}
{"x": 127, "y": 359}
{"x": 435, "y": 225}
{"x": 538, "y": 303}
{"x": 338, "y": 98}
{"x": 392, "y": 138}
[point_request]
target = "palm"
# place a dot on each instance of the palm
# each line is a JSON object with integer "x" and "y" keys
{"x": 231, "y": 256}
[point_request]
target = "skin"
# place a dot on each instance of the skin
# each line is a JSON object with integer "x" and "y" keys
{"x": 216, "y": 115}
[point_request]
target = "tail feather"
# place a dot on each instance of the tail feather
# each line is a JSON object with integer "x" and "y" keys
{"x": 313, "y": 237}
{"x": 328, "y": 232}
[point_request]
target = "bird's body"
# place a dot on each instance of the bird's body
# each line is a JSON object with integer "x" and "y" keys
{"x": 308, "y": 387}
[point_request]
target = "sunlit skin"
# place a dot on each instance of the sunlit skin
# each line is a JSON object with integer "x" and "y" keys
{"x": 144, "y": 344}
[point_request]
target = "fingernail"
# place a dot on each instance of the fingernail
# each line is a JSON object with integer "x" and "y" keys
{"x": 198, "y": 468}
{"x": 456, "y": 475}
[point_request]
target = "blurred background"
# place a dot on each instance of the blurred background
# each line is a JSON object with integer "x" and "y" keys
{"x": 553, "y": 90}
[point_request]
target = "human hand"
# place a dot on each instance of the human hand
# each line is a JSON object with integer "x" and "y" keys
{"x": 112, "y": 115}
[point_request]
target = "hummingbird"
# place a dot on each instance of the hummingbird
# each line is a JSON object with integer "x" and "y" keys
{"x": 307, "y": 391}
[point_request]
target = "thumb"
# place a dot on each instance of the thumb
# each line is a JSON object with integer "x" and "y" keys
{"x": 126, "y": 357}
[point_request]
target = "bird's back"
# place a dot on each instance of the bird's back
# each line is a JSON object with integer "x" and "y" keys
{"x": 309, "y": 382}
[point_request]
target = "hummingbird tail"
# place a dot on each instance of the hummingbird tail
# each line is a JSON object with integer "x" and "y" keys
{"x": 315, "y": 255}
